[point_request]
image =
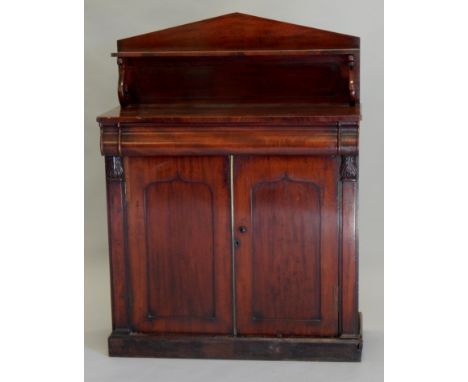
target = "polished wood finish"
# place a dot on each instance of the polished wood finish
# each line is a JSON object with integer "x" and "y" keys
{"x": 240, "y": 59}
{"x": 117, "y": 242}
{"x": 236, "y": 32}
{"x": 294, "y": 79}
{"x": 287, "y": 260}
{"x": 227, "y": 347}
{"x": 231, "y": 169}
{"x": 269, "y": 114}
{"x": 147, "y": 140}
{"x": 179, "y": 242}
{"x": 349, "y": 245}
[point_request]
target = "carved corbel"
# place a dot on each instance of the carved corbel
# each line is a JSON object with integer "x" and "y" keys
{"x": 122, "y": 90}
{"x": 114, "y": 167}
{"x": 351, "y": 83}
{"x": 349, "y": 169}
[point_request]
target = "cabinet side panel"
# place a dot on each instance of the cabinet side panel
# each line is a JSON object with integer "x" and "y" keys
{"x": 350, "y": 319}
{"x": 350, "y": 326}
{"x": 116, "y": 232}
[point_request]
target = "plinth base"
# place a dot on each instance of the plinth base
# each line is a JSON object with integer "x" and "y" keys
{"x": 230, "y": 347}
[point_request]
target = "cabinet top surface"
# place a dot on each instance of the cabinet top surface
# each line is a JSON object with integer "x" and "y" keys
{"x": 236, "y": 33}
{"x": 231, "y": 113}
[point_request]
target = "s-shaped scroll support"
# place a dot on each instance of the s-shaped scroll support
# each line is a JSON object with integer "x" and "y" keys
{"x": 122, "y": 86}
{"x": 352, "y": 86}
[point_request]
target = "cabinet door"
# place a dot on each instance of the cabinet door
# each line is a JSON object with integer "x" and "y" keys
{"x": 179, "y": 244}
{"x": 286, "y": 226}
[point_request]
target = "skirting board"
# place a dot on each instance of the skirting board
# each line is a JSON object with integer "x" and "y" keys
{"x": 229, "y": 347}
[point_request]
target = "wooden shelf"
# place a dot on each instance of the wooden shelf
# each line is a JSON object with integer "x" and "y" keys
{"x": 236, "y": 53}
{"x": 234, "y": 113}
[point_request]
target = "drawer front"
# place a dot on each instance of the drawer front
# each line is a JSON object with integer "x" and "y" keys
{"x": 155, "y": 140}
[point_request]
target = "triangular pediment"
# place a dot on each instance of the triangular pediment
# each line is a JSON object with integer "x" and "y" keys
{"x": 237, "y": 32}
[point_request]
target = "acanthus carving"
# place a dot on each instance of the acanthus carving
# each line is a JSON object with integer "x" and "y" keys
{"x": 114, "y": 167}
{"x": 122, "y": 85}
{"x": 349, "y": 169}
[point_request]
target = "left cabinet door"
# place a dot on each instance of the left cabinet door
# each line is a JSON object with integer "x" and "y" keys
{"x": 179, "y": 244}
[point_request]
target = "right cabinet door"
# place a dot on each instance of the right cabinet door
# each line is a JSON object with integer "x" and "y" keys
{"x": 286, "y": 238}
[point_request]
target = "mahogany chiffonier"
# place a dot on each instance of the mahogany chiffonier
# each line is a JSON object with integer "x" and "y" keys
{"x": 231, "y": 167}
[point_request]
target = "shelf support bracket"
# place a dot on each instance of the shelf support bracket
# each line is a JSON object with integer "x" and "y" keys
{"x": 122, "y": 89}
{"x": 351, "y": 81}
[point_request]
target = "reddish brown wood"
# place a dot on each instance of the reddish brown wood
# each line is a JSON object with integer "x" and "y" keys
{"x": 237, "y": 79}
{"x": 280, "y": 104}
{"x": 276, "y": 114}
{"x": 236, "y": 347}
{"x": 350, "y": 320}
{"x": 179, "y": 244}
{"x": 116, "y": 231}
{"x": 234, "y": 53}
{"x": 122, "y": 89}
{"x": 139, "y": 139}
{"x": 287, "y": 260}
{"x": 237, "y": 32}
{"x": 238, "y": 58}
